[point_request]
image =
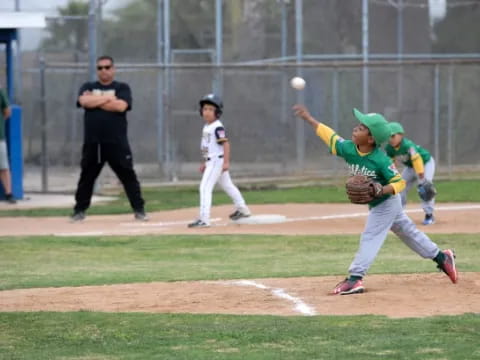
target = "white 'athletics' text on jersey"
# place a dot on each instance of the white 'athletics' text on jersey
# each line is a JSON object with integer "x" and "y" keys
{"x": 213, "y": 137}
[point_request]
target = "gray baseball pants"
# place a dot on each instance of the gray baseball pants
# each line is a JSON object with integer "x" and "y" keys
{"x": 409, "y": 175}
{"x": 386, "y": 216}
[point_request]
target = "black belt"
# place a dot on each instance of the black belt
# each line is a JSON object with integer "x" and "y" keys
{"x": 219, "y": 156}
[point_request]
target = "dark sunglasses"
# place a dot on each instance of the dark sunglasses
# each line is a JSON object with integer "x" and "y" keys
{"x": 106, "y": 67}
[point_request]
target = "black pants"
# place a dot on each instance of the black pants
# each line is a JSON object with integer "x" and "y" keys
{"x": 119, "y": 157}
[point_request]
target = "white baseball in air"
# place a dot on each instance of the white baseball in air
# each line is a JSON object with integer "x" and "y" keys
{"x": 297, "y": 83}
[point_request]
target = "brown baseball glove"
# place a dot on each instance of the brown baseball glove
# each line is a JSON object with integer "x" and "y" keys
{"x": 361, "y": 189}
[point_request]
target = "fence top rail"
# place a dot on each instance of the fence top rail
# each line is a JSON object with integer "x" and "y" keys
{"x": 285, "y": 65}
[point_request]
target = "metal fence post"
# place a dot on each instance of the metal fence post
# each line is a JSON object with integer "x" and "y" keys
{"x": 283, "y": 52}
{"x": 400, "y": 55}
{"x": 218, "y": 86}
{"x": 19, "y": 63}
{"x": 160, "y": 61}
{"x": 450, "y": 148}
{"x": 43, "y": 131}
{"x": 167, "y": 88}
{"x": 365, "y": 54}
{"x": 335, "y": 111}
{"x": 92, "y": 40}
{"x": 436, "y": 114}
{"x": 300, "y": 126}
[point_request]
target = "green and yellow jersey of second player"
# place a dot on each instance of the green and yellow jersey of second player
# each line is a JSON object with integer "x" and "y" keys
{"x": 410, "y": 154}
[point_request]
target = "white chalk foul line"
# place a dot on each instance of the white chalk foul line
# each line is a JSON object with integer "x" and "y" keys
{"x": 299, "y": 305}
{"x": 453, "y": 207}
{"x": 86, "y": 233}
{"x": 360, "y": 214}
{"x": 102, "y": 233}
{"x": 306, "y": 218}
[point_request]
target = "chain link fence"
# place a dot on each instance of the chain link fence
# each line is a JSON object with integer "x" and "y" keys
{"x": 173, "y": 52}
{"x": 435, "y": 101}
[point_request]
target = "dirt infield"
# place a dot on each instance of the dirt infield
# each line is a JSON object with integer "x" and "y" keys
{"x": 413, "y": 295}
{"x": 306, "y": 219}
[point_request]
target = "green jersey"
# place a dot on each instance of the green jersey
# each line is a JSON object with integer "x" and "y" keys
{"x": 406, "y": 151}
{"x": 3, "y": 106}
{"x": 376, "y": 164}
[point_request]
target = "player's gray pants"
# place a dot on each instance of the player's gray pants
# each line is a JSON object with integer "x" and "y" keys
{"x": 213, "y": 173}
{"x": 409, "y": 175}
{"x": 389, "y": 215}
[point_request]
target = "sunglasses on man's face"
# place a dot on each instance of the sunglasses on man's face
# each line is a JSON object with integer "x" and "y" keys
{"x": 106, "y": 67}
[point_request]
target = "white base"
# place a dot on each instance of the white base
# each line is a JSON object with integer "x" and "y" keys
{"x": 262, "y": 219}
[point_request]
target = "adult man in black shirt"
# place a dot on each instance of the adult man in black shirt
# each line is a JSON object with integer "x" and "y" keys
{"x": 106, "y": 103}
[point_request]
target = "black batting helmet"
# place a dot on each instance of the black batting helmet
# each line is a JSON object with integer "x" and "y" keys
{"x": 214, "y": 100}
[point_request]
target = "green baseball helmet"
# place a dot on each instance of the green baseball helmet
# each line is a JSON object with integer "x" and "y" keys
{"x": 395, "y": 128}
{"x": 377, "y": 125}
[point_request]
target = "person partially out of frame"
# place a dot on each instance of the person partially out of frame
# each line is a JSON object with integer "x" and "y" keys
{"x": 5, "y": 175}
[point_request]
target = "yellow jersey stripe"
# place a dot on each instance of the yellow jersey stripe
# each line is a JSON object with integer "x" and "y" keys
{"x": 362, "y": 153}
{"x": 333, "y": 144}
{"x": 398, "y": 183}
{"x": 417, "y": 163}
{"x": 328, "y": 136}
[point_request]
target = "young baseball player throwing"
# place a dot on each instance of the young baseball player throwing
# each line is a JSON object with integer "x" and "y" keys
{"x": 419, "y": 167}
{"x": 216, "y": 162}
{"x": 376, "y": 182}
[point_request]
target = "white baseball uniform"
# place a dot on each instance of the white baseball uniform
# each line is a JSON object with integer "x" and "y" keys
{"x": 213, "y": 138}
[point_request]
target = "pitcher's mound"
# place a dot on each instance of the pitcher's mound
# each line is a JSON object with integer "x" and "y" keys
{"x": 262, "y": 219}
{"x": 396, "y": 296}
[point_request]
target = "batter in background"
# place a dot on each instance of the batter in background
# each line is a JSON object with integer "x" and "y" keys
{"x": 364, "y": 157}
{"x": 215, "y": 150}
{"x": 419, "y": 165}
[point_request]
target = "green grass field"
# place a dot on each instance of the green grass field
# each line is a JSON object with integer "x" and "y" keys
{"x": 59, "y": 261}
{"x": 168, "y": 198}
{"x": 93, "y": 336}
{"x": 45, "y": 261}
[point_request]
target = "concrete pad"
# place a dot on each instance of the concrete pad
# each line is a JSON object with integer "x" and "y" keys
{"x": 38, "y": 200}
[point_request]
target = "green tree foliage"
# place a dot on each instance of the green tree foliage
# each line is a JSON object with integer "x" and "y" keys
{"x": 132, "y": 33}
{"x": 69, "y": 34}
{"x": 458, "y": 33}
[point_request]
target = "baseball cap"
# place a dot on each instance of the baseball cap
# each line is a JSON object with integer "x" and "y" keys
{"x": 395, "y": 128}
{"x": 377, "y": 125}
